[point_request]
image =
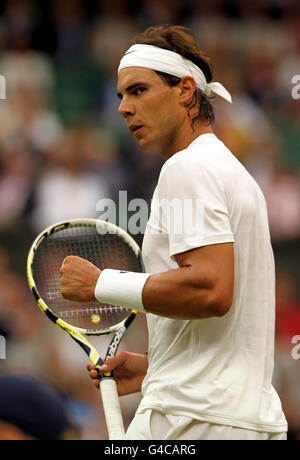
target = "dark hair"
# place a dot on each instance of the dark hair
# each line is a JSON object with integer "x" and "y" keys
{"x": 179, "y": 40}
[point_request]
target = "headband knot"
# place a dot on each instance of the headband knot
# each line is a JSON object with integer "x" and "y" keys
{"x": 169, "y": 62}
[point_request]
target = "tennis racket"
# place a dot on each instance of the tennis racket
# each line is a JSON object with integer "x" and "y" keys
{"x": 106, "y": 246}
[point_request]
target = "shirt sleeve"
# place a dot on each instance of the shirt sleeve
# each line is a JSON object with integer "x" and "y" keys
{"x": 193, "y": 207}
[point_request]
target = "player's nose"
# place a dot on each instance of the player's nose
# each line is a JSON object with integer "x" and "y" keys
{"x": 126, "y": 109}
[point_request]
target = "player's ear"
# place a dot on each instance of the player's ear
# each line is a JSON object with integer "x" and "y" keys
{"x": 186, "y": 90}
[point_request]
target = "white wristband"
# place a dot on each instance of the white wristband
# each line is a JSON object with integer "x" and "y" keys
{"x": 118, "y": 287}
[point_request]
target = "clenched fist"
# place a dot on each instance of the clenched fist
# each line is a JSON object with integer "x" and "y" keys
{"x": 78, "y": 279}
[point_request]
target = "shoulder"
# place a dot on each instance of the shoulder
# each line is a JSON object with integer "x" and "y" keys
{"x": 206, "y": 152}
{"x": 190, "y": 166}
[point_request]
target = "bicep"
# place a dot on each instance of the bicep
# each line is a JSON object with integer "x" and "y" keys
{"x": 214, "y": 265}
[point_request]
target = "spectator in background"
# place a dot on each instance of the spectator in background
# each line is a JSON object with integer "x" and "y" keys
{"x": 16, "y": 174}
{"x": 71, "y": 29}
{"x": 287, "y": 310}
{"x": 282, "y": 192}
{"x": 25, "y": 115}
{"x": 243, "y": 127}
{"x": 69, "y": 187}
{"x": 33, "y": 410}
{"x": 287, "y": 367}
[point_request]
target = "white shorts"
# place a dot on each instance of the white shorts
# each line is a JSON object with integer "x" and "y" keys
{"x": 154, "y": 425}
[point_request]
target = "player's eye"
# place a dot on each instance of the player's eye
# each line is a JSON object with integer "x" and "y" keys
{"x": 138, "y": 91}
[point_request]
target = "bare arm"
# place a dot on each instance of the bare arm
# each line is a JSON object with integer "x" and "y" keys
{"x": 201, "y": 287}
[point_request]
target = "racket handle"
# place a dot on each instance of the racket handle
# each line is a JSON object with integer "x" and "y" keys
{"x": 112, "y": 410}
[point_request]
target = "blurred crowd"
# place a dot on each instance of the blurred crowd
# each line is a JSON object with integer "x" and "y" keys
{"x": 63, "y": 147}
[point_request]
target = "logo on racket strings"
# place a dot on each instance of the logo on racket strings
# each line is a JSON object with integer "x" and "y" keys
{"x": 115, "y": 342}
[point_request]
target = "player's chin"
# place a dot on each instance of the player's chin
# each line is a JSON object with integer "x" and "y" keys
{"x": 145, "y": 143}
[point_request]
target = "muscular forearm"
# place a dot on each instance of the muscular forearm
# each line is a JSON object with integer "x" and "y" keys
{"x": 180, "y": 295}
{"x": 201, "y": 287}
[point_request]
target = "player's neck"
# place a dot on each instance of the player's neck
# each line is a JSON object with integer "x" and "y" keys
{"x": 184, "y": 137}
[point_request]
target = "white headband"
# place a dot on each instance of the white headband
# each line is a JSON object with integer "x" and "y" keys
{"x": 154, "y": 58}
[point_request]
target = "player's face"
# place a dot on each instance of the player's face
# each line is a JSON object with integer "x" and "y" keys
{"x": 150, "y": 108}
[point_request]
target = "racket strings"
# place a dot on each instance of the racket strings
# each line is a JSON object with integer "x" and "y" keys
{"x": 103, "y": 250}
{"x": 81, "y": 317}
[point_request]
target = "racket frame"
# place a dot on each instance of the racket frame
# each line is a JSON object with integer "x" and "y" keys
{"x": 108, "y": 388}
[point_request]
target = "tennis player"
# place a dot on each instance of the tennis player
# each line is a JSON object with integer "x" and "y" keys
{"x": 208, "y": 290}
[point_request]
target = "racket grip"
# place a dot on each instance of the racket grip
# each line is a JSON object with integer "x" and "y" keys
{"x": 112, "y": 410}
